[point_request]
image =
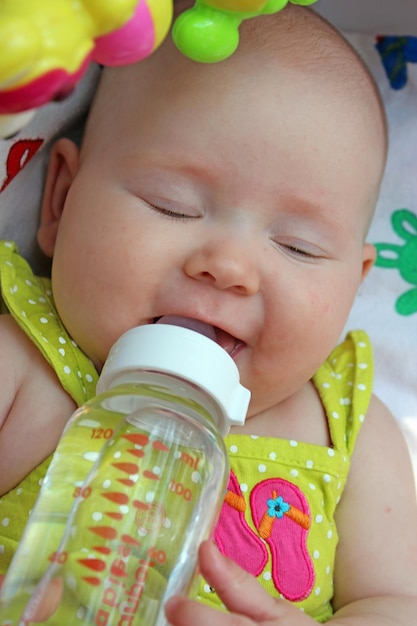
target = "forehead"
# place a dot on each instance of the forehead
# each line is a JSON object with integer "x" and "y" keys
{"x": 255, "y": 111}
{"x": 318, "y": 56}
{"x": 255, "y": 88}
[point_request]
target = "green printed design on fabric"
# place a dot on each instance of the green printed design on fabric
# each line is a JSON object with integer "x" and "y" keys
{"x": 402, "y": 257}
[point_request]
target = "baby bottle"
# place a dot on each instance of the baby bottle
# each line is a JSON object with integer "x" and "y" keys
{"x": 135, "y": 485}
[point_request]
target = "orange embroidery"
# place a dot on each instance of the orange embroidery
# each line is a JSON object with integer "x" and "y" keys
{"x": 236, "y": 501}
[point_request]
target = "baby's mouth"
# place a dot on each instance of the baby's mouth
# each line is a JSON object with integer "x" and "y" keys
{"x": 226, "y": 341}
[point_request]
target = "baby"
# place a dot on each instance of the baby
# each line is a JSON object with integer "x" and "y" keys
{"x": 239, "y": 194}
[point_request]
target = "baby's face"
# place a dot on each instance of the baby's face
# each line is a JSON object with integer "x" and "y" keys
{"x": 236, "y": 194}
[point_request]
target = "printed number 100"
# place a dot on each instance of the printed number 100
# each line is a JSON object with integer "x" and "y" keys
{"x": 180, "y": 490}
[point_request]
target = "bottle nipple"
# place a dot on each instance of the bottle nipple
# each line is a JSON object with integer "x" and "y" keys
{"x": 187, "y": 322}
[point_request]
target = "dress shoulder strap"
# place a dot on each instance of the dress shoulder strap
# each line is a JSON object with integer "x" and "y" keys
{"x": 28, "y": 298}
{"x": 344, "y": 383}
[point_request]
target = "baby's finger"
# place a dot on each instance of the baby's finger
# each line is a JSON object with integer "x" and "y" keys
{"x": 184, "y": 612}
{"x": 44, "y": 603}
{"x": 238, "y": 590}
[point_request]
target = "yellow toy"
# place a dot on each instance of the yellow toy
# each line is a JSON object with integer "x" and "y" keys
{"x": 46, "y": 45}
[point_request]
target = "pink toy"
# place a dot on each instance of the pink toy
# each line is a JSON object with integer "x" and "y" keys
{"x": 47, "y": 45}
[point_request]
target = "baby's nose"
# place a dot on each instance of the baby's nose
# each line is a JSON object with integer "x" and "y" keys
{"x": 225, "y": 264}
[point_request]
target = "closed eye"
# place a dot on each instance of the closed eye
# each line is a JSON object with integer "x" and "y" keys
{"x": 301, "y": 253}
{"x": 172, "y": 214}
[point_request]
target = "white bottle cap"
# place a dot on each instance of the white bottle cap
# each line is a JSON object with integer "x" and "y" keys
{"x": 184, "y": 353}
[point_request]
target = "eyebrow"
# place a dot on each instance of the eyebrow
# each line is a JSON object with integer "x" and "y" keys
{"x": 176, "y": 163}
{"x": 317, "y": 212}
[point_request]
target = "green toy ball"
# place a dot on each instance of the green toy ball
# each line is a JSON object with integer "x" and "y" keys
{"x": 209, "y": 31}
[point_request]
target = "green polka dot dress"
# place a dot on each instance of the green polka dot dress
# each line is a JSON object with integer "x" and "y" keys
{"x": 29, "y": 300}
{"x": 277, "y": 521}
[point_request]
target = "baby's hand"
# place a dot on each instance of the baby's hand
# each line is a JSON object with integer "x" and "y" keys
{"x": 247, "y": 602}
{"x": 45, "y": 605}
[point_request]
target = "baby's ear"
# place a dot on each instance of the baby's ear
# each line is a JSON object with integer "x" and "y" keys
{"x": 368, "y": 259}
{"x": 62, "y": 168}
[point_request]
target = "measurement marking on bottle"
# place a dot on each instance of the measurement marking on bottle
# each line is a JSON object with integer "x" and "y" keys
{"x": 114, "y": 515}
{"x": 137, "y": 439}
{"x": 82, "y": 492}
{"x": 127, "y": 482}
{"x": 159, "y": 445}
{"x": 151, "y": 475}
{"x": 188, "y": 459}
{"x": 157, "y": 555}
{"x": 181, "y": 490}
{"x": 107, "y": 532}
{"x": 137, "y": 452}
{"x": 97, "y": 565}
{"x": 92, "y": 580}
{"x": 101, "y": 433}
{"x": 58, "y": 557}
{"x": 102, "y": 549}
{"x": 127, "y": 539}
{"x": 116, "y": 497}
{"x": 128, "y": 468}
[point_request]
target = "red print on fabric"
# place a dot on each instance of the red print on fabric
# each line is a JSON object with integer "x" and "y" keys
{"x": 281, "y": 515}
{"x": 19, "y": 156}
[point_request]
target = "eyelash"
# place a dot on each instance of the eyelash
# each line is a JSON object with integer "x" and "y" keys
{"x": 171, "y": 214}
{"x": 299, "y": 252}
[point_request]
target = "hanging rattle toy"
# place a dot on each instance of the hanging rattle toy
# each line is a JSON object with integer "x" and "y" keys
{"x": 47, "y": 45}
{"x": 209, "y": 31}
